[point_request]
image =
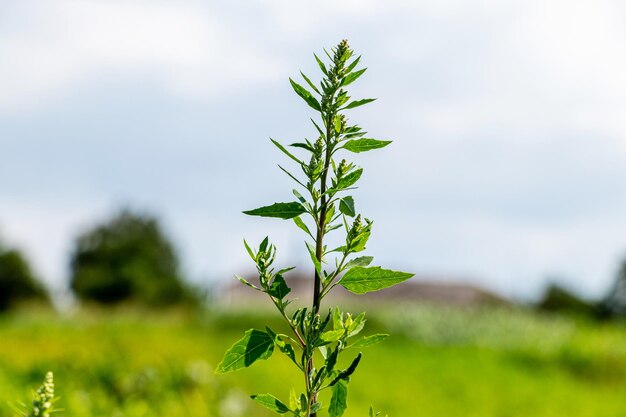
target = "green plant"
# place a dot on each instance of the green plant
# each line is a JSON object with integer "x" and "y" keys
{"x": 316, "y": 339}
{"x": 43, "y": 400}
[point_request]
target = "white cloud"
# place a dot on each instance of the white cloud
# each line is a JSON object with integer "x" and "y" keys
{"x": 58, "y": 46}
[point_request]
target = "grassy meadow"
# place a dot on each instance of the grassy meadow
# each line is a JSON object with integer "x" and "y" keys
{"x": 439, "y": 362}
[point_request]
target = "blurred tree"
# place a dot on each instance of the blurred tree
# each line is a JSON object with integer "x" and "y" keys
{"x": 17, "y": 281}
{"x": 128, "y": 258}
{"x": 558, "y": 299}
{"x": 614, "y": 304}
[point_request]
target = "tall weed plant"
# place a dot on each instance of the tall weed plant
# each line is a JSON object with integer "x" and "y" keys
{"x": 322, "y": 205}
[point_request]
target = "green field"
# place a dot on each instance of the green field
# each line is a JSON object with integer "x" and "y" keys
{"x": 439, "y": 362}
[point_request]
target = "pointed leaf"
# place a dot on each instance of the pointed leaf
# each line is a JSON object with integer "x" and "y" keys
{"x": 316, "y": 262}
{"x": 349, "y": 179}
{"x": 255, "y": 345}
{"x": 279, "y": 288}
{"x": 353, "y": 64}
{"x": 310, "y": 83}
{"x": 339, "y": 399}
{"x": 279, "y": 210}
{"x": 300, "y": 223}
{"x": 321, "y": 64}
{"x": 285, "y": 151}
{"x": 243, "y": 281}
{"x": 360, "y": 261}
{"x": 347, "y": 372}
{"x": 271, "y": 402}
{"x": 352, "y": 77}
{"x": 358, "y": 103}
{"x": 306, "y": 95}
{"x": 364, "y": 145}
{"x": 332, "y": 335}
{"x": 346, "y": 206}
{"x": 360, "y": 280}
{"x": 369, "y": 340}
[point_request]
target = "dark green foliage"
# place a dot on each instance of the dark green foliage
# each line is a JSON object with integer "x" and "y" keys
{"x": 17, "y": 281}
{"x": 614, "y": 304}
{"x": 559, "y": 299}
{"x": 127, "y": 259}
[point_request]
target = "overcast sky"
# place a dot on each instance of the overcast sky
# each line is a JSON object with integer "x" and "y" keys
{"x": 508, "y": 165}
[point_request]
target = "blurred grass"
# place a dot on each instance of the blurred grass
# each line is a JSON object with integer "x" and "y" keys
{"x": 439, "y": 362}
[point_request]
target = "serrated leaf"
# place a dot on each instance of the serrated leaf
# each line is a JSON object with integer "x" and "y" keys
{"x": 339, "y": 399}
{"x": 352, "y": 77}
{"x": 306, "y": 95}
{"x": 285, "y": 151}
{"x": 346, "y": 206}
{"x": 364, "y": 145}
{"x": 255, "y": 345}
{"x": 360, "y": 280}
{"x": 279, "y": 288}
{"x": 271, "y": 402}
{"x": 332, "y": 335}
{"x": 349, "y": 179}
{"x": 358, "y": 103}
{"x": 369, "y": 340}
{"x": 360, "y": 261}
{"x": 278, "y": 210}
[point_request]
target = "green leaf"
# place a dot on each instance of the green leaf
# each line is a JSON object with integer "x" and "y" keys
{"x": 347, "y": 372}
{"x": 364, "y": 145}
{"x": 306, "y": 95}
{"x": 339, "y": 399}
{"x": 279, "y": 288}
{"x": 264, "y": 243}
{"x": 310, "y": 83}
{"x": 369, "y": 340}
{"x": 279, "y": 210}
{"x": 285, "y": 151}
{"x": 358, "y": 103}
{"x": 303, "y": 146}
{"x": 360, "y": 280}
{"x": 352, "y": 77}
{"x": 346, "y": 206}
{"x": 353, "y": 64}
{"x": 271, "y": 402}
{"x": 349, "y": 179}
{"x": 316, "y": 262}
{"x": 298, "y": 221}
{"x": 255, "y": 345}
{"x": 250, "y": 252}
{"x": 357, "y": 325}
{"x": 332, "y": 335}
{"x": 243, "y": 281}
{"x": 360, "y": 261}
{"x": 321, "y": 64}
{"x": 292, "y": 176}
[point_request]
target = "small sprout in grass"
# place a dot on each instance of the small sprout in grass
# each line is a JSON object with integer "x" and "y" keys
{"x": 317, "y": 338}
{"x": 43, "y": 400}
